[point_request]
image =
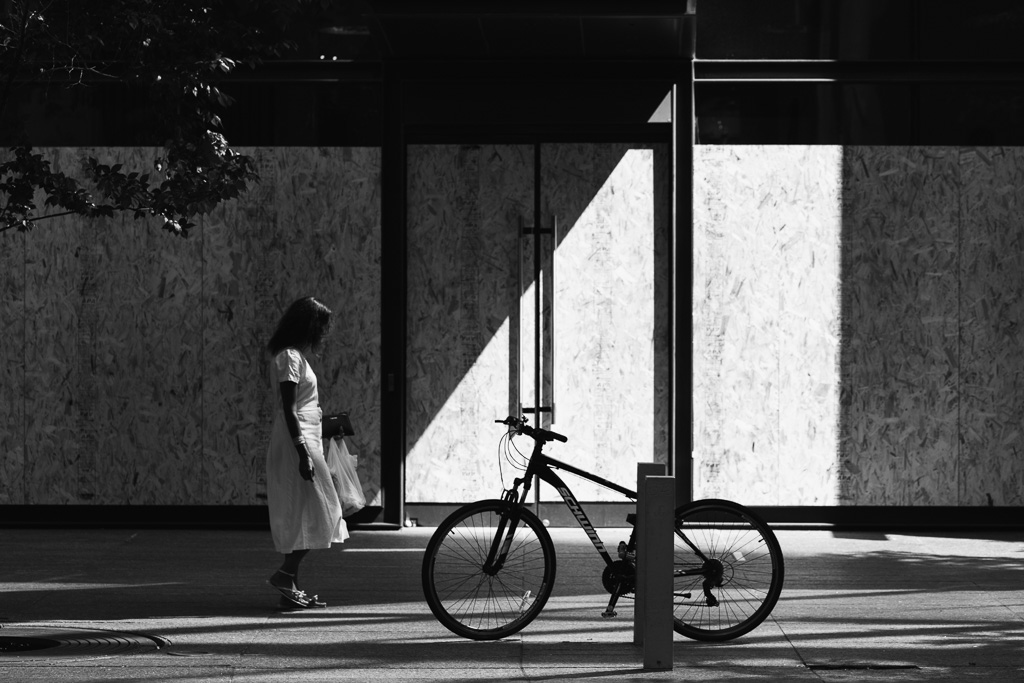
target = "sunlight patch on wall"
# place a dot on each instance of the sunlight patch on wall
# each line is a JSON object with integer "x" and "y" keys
{"x": 465, "y": 424}
{"x": 464, "y": 275}
{"x": 766, "y": 315}
{"x": 605, "y": 328}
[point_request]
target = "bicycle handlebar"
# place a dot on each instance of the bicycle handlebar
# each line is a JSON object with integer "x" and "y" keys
{"x": 520, "y": 427}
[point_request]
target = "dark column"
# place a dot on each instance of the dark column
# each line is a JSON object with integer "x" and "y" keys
{"x": 393, "y": 299}
{"x": 682, "y": 268}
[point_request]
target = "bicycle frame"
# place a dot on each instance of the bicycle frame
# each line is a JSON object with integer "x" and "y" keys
{"x": 543, "y": 467}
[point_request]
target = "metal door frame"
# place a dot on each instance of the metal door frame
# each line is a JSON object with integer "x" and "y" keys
{"x": 394, "y": 405}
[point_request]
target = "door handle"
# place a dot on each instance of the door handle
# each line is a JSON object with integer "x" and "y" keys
{"x": 552, "y": 318}
{"x": 544, "y": 300}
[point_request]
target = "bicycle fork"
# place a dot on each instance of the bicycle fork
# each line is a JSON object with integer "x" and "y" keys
{"x": 499, "y": 550}
{"x": 502, "y": 537}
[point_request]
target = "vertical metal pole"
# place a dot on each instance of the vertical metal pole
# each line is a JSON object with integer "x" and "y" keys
{"x": 393, "y": 268}
{"x": 537, "y": 311}
{"x": 553, "y": 318}
{"x": 516, "y": 331}
{"x": 538, "y": 300}
{"x": 683, "y": 140}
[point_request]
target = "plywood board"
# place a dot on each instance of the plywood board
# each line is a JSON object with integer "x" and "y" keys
{"x": 110, "y": 380}
{"x": 140, "y": 364}
{"x": 900, "y": 376}
{"x": 991, "y": 273}
{"x": 766, "y": 315}
{"x": 311, "y": 227}
{"x": 12, "y": 367}
{"x": 856, "y": 335}
{"x": 610, "y": 338}
{"x": 467, "y": 205}
{"x": 925, "y": 406}
{"x": 465, "y": 208}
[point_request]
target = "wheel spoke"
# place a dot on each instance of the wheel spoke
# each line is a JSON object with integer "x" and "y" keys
{"x": 743, "y": 570}
{"x": 468, "y": 600}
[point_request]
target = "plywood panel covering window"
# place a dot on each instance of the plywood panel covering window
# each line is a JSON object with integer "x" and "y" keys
{"x": 136, "y": 359}
{"x": 856, "y": 317}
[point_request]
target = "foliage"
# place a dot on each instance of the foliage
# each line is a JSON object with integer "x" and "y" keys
{"x": 173, "y": 53}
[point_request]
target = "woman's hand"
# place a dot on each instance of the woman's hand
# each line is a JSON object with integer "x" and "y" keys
{"x": 305, "y": 464}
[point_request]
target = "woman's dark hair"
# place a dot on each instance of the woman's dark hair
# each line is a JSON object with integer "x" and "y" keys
{"x": 303, "y": 326}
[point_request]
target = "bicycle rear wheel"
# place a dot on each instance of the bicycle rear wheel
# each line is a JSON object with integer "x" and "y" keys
{"x": 728, "y": 570}
{"x": 478, "y": 604}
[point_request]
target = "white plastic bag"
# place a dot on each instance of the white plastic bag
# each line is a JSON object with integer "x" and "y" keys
{"x": 342, "y": 465}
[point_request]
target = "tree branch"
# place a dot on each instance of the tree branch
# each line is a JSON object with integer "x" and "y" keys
{"x": 175, "y": 53}
{"x": 9, "y": 226}
{"x": 19, "y": 51}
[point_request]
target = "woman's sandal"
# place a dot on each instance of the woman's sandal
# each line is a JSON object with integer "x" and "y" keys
{"x": 292, "y": 598}
{"x": 289, "y": 605}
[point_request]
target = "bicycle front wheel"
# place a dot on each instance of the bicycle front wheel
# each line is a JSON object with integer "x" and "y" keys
{"x": 728, "y": 570}
{"x": 478, "y": 602}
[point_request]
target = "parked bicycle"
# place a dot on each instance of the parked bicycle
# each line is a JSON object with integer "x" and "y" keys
{"x": 489, "y": 567}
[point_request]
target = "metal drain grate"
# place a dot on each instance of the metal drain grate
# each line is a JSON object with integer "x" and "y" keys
{"x": 862, "y": 667}
{"x": 27, "y": 643}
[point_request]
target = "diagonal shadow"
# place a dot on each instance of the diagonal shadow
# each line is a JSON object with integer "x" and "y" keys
{"x": 467, "y": 205}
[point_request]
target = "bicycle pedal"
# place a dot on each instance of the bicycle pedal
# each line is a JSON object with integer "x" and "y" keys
{"x": 608, "y": 614}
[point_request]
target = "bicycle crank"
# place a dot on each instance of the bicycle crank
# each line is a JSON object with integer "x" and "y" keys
{"x": 619, "y": 579}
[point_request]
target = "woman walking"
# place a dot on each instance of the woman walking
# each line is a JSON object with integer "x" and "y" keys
{"x": 305, "y": 513}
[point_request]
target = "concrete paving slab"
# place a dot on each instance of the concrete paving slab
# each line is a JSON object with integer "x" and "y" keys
{"x": 855, "y": 607}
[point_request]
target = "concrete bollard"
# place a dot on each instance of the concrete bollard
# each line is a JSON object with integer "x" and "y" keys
{"x": 652, "y": 626}
{"x": 643, "y": 470}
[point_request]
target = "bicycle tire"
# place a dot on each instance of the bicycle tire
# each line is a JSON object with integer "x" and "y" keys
{"x": 744, "y": 570}
{"x": 467, "y": 600}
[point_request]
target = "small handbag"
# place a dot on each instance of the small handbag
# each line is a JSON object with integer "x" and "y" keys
{"x": 342, "y": 465}
{"x": 335, "y": 425}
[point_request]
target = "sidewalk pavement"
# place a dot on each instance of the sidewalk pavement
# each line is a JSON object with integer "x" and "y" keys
{"x": 855, "y": 607}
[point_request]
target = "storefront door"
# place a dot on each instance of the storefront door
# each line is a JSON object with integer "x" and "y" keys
{"x": 538, "y": 284}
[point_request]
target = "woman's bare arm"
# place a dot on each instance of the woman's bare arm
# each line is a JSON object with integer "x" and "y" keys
{"x": 291, "y": 420}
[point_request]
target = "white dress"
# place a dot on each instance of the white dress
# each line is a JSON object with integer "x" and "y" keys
{"x": 304, "y": 515}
